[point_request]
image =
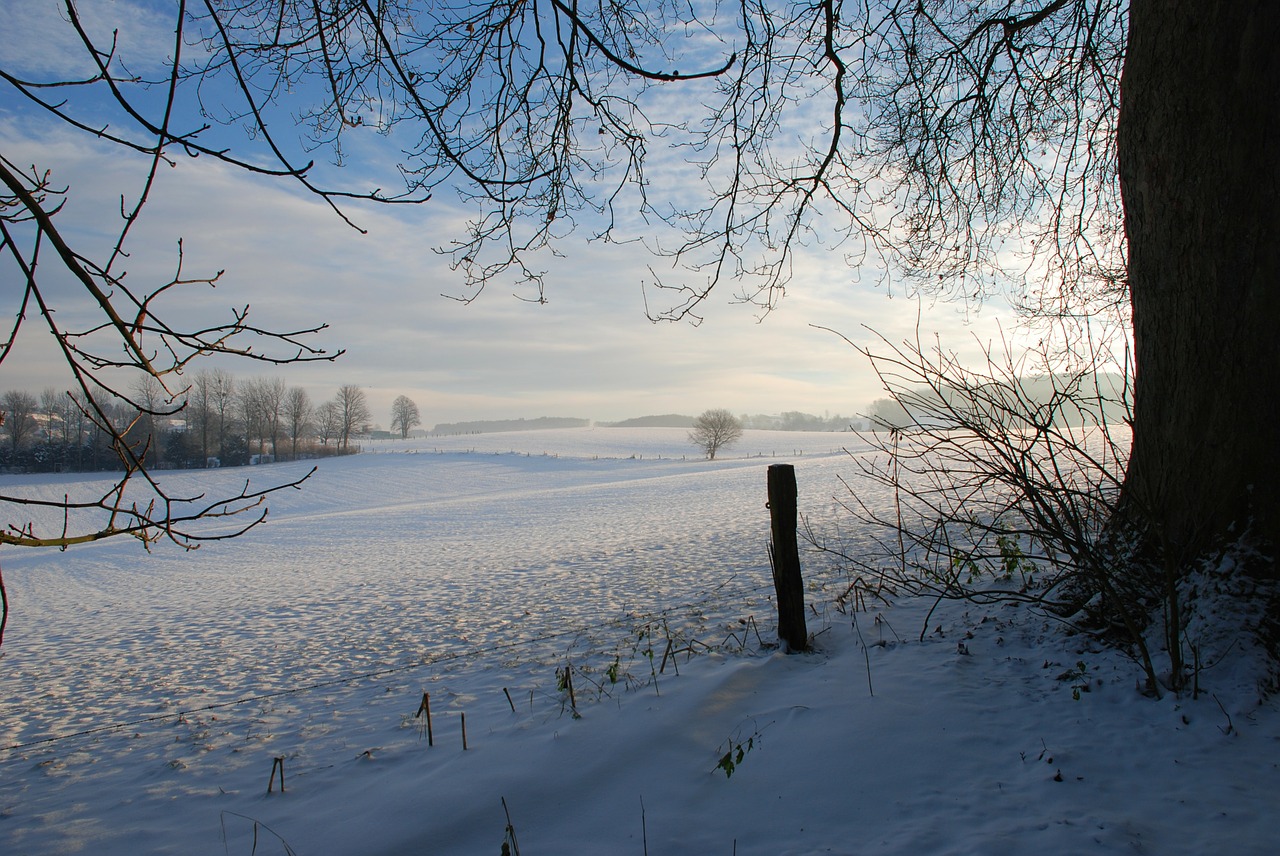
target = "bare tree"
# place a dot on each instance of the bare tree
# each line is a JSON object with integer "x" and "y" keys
{"x": 263, "y": 403}
{"x": 53, "y": 412}
{"x": 404, "y": 415}
{"x": 328, "y": 422}
{"x": 298, "y": 415}
{"x": 934, "y": 137}
{"x": 200, "y": 412}
{"x": 77, "y": 428}
{"x": 222, "y": 401}
{"x": 20, "y": 410}
{"x": 153, "y": 402}
{"x": 714, "y": 430}
{"x": 353, "y": 413}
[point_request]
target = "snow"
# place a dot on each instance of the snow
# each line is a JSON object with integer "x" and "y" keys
{"x": 145, "y": 697}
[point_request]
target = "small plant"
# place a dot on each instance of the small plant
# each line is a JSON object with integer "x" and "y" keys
{"x": 1007, "y": 563}
{"x": 730, "y": 760}
{"x": 1079, "y": 678}
{"x": 737, "y": 750}
{"x": 645, "y": 637}
{"x": 962, "y": 565}
{"x": 1014, "y": 562}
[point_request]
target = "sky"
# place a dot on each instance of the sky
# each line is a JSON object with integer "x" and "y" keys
{"x": 589, "y": 352}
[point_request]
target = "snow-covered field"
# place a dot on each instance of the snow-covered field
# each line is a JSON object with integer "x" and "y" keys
{"x": 144, "y": 699}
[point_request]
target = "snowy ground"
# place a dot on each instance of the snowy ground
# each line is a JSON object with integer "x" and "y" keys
{"x": 145, "y": 698}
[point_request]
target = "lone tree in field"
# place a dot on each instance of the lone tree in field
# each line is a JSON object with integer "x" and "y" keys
{"x": 715, "y": 430}
{"x": 404, "y": 415}
{"x": 1085, "y": 157}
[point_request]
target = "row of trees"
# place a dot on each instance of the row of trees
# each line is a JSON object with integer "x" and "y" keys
{"x": 218, "y": 420}
{"x": 795, "y": 420}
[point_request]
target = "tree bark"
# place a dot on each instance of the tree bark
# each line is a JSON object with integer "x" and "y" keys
{"x": 1199, "y": 159}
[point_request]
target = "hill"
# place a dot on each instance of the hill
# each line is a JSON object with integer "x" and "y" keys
{"x": 492, "y": 426}
{"x": 666, "y": 420}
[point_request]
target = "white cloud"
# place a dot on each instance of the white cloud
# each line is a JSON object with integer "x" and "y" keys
{"x": 40, "y": 40}
{"x": 590, "y": 352}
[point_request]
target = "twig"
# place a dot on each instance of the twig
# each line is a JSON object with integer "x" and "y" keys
{"x": 514, "y": 848}
{"x": 1230, "y": 726}
{"x": 644, "y": 828}
{"x": 865, "y": 654}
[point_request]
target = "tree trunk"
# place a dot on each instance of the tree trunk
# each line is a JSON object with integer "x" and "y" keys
{"x": 1199, "y": 149}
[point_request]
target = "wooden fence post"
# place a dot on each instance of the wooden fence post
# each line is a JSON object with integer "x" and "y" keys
{"x": 784, "y": 555}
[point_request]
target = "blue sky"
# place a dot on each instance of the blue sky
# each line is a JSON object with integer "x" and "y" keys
{"x": 589, "y": 352}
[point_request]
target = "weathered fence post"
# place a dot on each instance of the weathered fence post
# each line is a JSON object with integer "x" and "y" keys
{"x": 784, "y": 555}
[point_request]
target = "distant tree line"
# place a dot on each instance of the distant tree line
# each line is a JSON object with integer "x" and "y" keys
{"x": 1110, "y": 402}
{"x": 218, "y": 420}
{"x": 666, "y": 420}
{"x": 792, "y": 420}
{"x": 486, "y": 426}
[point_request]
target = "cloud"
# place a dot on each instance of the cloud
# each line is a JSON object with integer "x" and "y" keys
{"x": 589, "y": 352}
{"x": 39, "y": 39}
